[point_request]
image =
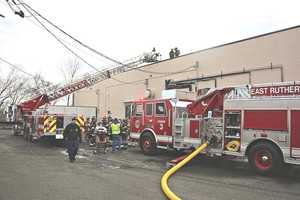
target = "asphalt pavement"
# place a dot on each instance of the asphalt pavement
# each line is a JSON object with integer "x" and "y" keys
{"x": 41, "y": 171}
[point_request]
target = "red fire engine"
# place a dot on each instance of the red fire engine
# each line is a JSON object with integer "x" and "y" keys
{"x": 258, "y": 123}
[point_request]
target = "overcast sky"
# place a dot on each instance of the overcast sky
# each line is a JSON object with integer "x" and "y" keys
{"x": 123, "y": 29}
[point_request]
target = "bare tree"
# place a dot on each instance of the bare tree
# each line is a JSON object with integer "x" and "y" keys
{"x": 37, "y": 85}
{"x": 70, "y": 71}
{"x": 18, "y": 91}
{"x": 7, "y": 84}
{"x": 15, "y": 88}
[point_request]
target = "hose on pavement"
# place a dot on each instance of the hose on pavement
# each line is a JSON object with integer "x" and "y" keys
{"x": 170, "y": 172}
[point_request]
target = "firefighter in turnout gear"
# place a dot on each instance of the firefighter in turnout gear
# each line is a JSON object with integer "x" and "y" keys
{"x": 115, "y": 132}
{"x": 124, "y": 133}
{"x": 72, "y": 137}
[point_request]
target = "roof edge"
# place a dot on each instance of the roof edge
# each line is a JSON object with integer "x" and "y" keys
{"x": 227, "y": 44}
{"x": 245, "y": 39}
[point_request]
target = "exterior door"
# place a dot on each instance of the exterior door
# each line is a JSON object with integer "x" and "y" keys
{"x": 295, "y": 133}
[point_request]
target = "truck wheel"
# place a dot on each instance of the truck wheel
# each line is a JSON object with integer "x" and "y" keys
{"x": 148, "y": 144}
{"x": 264, "y": 158}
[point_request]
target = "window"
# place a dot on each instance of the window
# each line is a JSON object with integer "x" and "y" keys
{"x": 149, "y": 109}
{"x": 138, "y": 109}
{"x": 128, "y": 111}
{"x": 160, "y": 109}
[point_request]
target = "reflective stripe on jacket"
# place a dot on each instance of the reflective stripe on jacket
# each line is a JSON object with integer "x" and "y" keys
{"x": 115, "y": 129}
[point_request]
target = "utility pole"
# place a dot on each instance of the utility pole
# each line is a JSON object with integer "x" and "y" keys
{"x": 2, "y": 16}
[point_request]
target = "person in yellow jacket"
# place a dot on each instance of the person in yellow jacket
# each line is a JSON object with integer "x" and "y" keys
{"x": 116, "y": 137}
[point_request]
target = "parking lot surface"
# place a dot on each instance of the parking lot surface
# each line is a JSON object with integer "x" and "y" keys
{"x": 41, "y": 171}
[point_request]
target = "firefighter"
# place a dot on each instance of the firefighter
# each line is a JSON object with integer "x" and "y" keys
{"x": 124, "y": 133}
{"x": 115, "y": 132}
{"x": 172, "y": 53}
{"x": 101, "y": 139}
{"x": 104, "y": 121}
{"x": 176, "y": 52}
{"x": 72, "y": 137}
{"x": 153, "y": 50}
{"x": 94, "y": 122}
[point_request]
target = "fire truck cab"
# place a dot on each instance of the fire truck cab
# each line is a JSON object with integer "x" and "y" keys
{"x": 258, "y": 123}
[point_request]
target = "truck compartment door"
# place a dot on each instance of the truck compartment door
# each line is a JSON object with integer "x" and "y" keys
{"x": 194, "y": 128}
{"x": 295, "y": 133}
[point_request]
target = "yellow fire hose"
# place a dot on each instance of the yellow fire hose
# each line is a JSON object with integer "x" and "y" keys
{"x": 164, "y": 179}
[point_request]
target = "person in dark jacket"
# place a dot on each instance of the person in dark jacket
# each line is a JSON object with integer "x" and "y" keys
{"x": 72, "y": 137}
{"x": 172, "y": 53}
{"x": 176, "y": 52}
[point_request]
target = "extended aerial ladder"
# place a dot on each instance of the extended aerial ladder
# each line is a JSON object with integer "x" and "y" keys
{"x": 17, "y": 114}
{"x": 86, "y": 81}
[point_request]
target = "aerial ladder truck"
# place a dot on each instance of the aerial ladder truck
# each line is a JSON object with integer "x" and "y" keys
{"x": 35, "y": 122}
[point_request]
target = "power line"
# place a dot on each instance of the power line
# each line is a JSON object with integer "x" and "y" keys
{"x": 16, "y": 67}
{"x": 21, "y": 70}
{"x": 185, "y": 70}
{"x": 75, "y": 54}
{"x": 73, "y": 38}
{"x": 68, "y": 42}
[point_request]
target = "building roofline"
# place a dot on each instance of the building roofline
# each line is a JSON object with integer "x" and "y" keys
{"x": 245, "y": 39}
{"x": 227, "y": 44}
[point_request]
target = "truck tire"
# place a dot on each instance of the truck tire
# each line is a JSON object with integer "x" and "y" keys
{"x": 148, "y": 144}
{"x": 265, "y": 159}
